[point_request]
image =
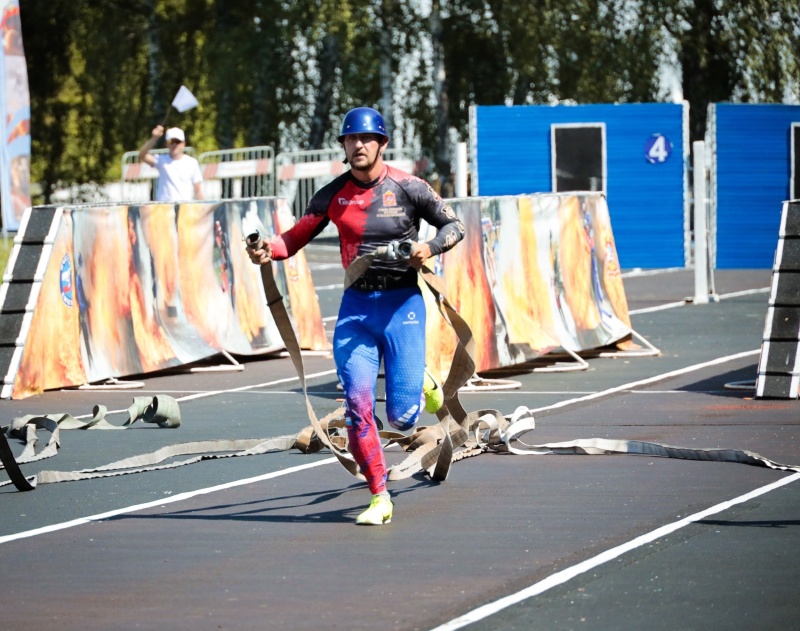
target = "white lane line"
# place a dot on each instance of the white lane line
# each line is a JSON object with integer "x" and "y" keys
{"x": 638, "y": 271}
{"x": 571, "y": 572}
{"x": 643, "y": 382}
{"x": 213, "y": 393}
{"x": 258, "y": 392}
{"x": 683, "y": 303}
{"x": 745, "y": 292}
{"x": 163, "y": 502}
{"x": 552, "y": 392}
{"x": 667, "y": 305}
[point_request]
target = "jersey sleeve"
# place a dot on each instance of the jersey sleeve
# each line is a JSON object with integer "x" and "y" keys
{"x": 438, "y": 213}
{"x": 300, "y": 234}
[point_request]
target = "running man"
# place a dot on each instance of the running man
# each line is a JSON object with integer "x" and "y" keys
{"x": 382, "y": 315}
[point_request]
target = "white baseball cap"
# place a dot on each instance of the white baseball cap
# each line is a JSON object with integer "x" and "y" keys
{"x": 175, "y": 133}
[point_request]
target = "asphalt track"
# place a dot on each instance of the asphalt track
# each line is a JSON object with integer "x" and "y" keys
{"x": 507, "y": 542}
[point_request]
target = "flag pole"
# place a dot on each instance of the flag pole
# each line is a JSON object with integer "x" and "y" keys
{"x": 166, "y": 116}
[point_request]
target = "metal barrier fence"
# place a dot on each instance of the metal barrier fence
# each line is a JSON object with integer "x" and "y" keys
{"x": 238, "y": 173}
{"x": 254, "y": 172}
{"x": 139, "y": 179}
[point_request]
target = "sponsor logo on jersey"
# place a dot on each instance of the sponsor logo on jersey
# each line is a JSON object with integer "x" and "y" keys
{"x": 435, "y": 195}
{"x": 411, "y": 318}
{"x": 350, "y": 202}
{"x": 390, "y": 207}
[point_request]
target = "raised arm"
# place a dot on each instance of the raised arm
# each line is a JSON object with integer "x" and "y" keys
{"x": 144, "y": 151}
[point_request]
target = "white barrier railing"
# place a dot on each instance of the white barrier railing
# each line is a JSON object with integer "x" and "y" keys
{"x": 238, "y": 173}
{"x": 253, "y": 172}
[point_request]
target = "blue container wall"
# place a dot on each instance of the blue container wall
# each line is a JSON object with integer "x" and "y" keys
{"x": 646, "y": 201}
{"x": 753, "y": 164}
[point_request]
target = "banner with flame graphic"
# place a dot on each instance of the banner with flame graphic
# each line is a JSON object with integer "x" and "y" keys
{"x": 134, "y": 289}
{"x": 15, "y": 119}
{"x": 534, "y": 273}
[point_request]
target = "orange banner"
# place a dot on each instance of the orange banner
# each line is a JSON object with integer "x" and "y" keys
{"x": 534, "y": 273}
{"x": 134, "y": 289}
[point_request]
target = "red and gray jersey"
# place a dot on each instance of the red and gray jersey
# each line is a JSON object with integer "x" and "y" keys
{"x": 372, "y": 215}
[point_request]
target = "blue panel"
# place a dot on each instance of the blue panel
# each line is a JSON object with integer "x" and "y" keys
{"x": 646, "y": 200}
{"x": 753, "y": 164}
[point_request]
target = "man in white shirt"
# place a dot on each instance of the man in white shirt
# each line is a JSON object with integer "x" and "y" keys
{"x": 179, "y": 176}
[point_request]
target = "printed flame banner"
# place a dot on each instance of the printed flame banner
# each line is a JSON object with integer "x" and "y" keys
{"x": 134, "y": 289}
{"x": 15, "y": 115}
{"x": 534, "y": 273}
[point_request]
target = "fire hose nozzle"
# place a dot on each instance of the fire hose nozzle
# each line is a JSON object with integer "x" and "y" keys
{"x": 252, "y": 240}
{"x": 404, "y": 249}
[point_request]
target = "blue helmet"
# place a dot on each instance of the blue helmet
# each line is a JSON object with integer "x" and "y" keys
{"x": 362, "y": 120}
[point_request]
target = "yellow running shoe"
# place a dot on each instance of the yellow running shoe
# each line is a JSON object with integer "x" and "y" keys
{"x": 432, "y": 389}
{"x": 378, "y": 513}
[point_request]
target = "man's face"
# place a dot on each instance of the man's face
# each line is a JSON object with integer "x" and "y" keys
{"x": 362, "y": 150}
{"x": 175, "y": 148}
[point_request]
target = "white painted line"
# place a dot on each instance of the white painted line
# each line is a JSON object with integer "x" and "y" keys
{"x": 573, "y": 392}
{"x": 569, "y": 573}
{"x": 163, "y": 502}
{"x": 505, "y": 392}
{"x": 258, "y": 392}
{"x": 212, "y": 393}
{"x": 643, "y": 382}
{"x": 676, "y": 391}
{"x": 667, "y": 305}
{"x": 637, "y": 271}
{"x": 746, "y": 292}
{"x": 326, "y": 287}
{"x": 682, "y": 303}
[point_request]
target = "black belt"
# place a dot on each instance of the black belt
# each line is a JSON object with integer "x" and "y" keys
{"x": 373, "y": 280}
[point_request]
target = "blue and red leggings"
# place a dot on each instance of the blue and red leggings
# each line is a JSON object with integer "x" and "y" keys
{"x": 388, "y": 325}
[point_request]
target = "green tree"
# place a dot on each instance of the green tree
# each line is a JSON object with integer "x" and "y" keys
{"x": 740, "y": 51}
{"x": 269, "y": 72}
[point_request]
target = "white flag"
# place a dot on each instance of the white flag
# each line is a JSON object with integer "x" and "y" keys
{"x": 184, "y": 100}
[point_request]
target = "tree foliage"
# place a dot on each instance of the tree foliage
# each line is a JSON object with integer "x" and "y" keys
{"x": 282, "y": 73}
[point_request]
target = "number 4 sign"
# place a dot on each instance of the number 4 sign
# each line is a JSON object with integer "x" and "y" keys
{"x": 657, "y": 149}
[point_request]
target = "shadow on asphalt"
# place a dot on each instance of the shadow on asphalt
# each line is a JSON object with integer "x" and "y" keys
{"x": 289, "y": 505}
{"x": 727, "y": 384}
